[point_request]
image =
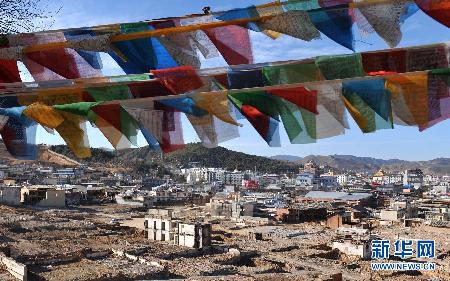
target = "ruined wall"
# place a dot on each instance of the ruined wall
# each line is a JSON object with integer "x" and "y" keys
{"x": 54, "y": 198}
{"x": 10, "y": 196}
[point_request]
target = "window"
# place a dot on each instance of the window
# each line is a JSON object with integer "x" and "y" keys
{"x": 163, "y": 225}
{"x": 154, "y": 224}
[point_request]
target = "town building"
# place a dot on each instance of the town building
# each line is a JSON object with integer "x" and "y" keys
{"x": 43, "y": 196}
{"x": 231, "y": 209}
{"x": 413, "y": 178}
{"x": 343, "y": 179}
{"x": 305, "y": 179}
{"x": 327, "y": 181}
{"x": 299, "y": 214}
{"x": 160, "y": 226}
{"x": 360, "y": 248}
{"x": 363, "y": 199}
{"x": 234, "y": 178}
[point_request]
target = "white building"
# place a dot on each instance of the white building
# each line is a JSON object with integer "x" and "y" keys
{"x": 304, "y": 179}
{"x": 393, "y": 178}
{"x": 413, "y": 178}
{"x": 201, "y": 175}
{"x": 441, "y": 189}
{"x": 161, "y": 227}
{"x": 431, "y": 179}
{"x": 328, "y": 181}
{"x": 342, "y": 179}
{"x": 234, "y": 178}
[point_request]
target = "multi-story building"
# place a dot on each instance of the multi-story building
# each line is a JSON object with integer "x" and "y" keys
{"x": 202, "y": 175}
{"x": 160, "y": 226}
{"x": 394, "y": 178}
{"x": 327, "y": 181}
{"x": 381, "y": 177}
{"x": 431, "y": 179}
{"x": 234, "y": 178}
{"x": 413, "y": 178}
{"x": 342, "y": 179}
{"x": 378, "y": 177}
{"x": 305, "y": 179}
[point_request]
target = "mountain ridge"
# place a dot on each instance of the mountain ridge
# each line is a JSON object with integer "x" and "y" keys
{"x": 142, "y": 160}
{"x": 439, "y": 166}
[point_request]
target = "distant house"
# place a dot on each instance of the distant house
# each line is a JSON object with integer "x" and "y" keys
{"x": 305, "y": 179}
{"x": 160, "y": 226}
{"x": 360, "y": 249}
{"x": 43, "y": 196}
{"x": 298, "y": 214}
{"x": 362, "y": 199}
{"x": 413, "y": 178}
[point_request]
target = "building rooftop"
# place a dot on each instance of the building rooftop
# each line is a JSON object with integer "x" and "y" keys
{"x": 336, "y": 195}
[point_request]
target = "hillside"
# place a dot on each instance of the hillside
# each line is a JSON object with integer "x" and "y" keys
{"x": 142, "y": 158}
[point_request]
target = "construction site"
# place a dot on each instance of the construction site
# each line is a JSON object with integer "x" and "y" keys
{"x": 109, "y": 243}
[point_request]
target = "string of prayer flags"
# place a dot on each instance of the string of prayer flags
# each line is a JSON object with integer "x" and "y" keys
{"x": 172, "y": 130}
{"x": 341, "y": 67}
{"x": 258, "y": 108}
{"x": 179, "y": 80}
{"x": 409, "y": 98}
{"x": 439, "y": 96}
{"x": 19, "y": 133}
{"x": 297, "y": 24}
{"x": 381, "y": 62}
{"x": 291, "y": 73}
{"x": 243, "y": 77}
{"x": 150, "y": 119}
{"x": 9, "y": 72}
{"x": 91, "y": 57}
{"x": 233, "y": 42}
{"x": 245, "y": 13}
{"x": 75, "y": 52}
{"x": 116, "y": 116}
{"x": 308, "y": 112}
{"x": 335, "y": 24}
{"x": 140, "y": 55}
{"x": 217, "y": 104}
{"x": 368, "y": 102}
{"x": 212, "y": 131}
{"x": 385, "y": 18}
{"x": 55, "y": 63}
{"x": 438, "y": 10}
{"x": 185, "y": 105}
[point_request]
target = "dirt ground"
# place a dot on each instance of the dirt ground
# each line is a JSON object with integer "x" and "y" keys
{"x": 82, "y": 244}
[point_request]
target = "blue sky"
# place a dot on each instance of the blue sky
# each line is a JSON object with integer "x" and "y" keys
{"x": 402, "y": 142}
